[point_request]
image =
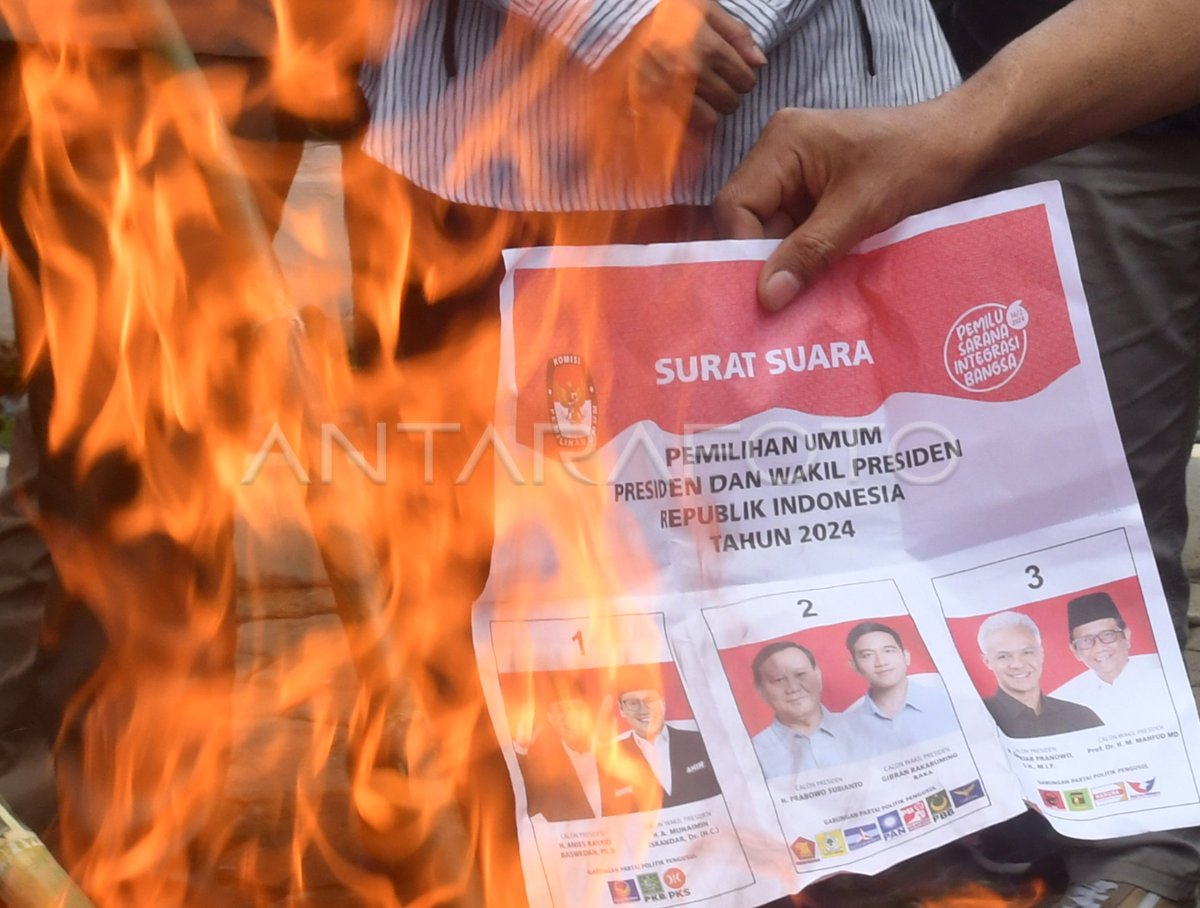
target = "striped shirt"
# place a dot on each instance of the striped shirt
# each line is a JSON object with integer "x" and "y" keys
{"x": 524, "y": 124}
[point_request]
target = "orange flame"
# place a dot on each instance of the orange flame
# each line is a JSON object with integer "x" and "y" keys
{"x": 975, "y": 895}
{"x": 172, "y": 340}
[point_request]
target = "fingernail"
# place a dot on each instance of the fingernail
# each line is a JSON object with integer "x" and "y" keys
{"x": 781, "y": 288}
{"x": 757, "y": 57}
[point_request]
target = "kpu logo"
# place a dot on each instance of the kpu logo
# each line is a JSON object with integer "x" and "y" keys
{"x": 571, "y": 400}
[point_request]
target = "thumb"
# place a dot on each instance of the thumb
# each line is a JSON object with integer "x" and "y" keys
{"x": 808, "y": 252}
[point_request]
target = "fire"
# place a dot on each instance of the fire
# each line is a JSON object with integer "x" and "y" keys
{"x": 175, "y": 348}
{"x": 974, "y": 895}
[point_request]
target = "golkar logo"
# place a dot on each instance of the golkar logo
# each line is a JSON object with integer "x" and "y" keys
{"x": 986, "y": 347}
{"x": 571, "y": 399}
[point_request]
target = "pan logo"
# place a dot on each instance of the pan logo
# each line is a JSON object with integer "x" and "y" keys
{"x": 891, "y": 825}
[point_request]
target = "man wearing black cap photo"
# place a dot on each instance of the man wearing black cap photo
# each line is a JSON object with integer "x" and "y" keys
{"x": 1117, "y": 686}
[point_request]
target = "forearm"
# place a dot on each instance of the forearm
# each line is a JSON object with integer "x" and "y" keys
{"x": 1096, "y": 68}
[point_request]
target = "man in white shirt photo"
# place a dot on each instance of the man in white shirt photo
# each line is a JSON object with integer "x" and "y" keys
{"x": 1117, "y": 686}
{"x": 898, "y": 709}
{"x": 653, "y": 765}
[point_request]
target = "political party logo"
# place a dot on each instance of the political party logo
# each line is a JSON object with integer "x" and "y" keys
{"x": 891, "y": 825}
{"x": 805, "y": 850}
{"x": 940, "y": 806}
{"x": 622, "y": 892}
{"x": 831, "y": 843}
{"x": 965, "y": 794}
{"x": 916, "y": 815}
{"x": 1109, "y": 794}
{"x": 1141, "y": 789}
{"x": 571, "y": 399}
{"x": 650, "y": 884}
{"x": 986, "y": 346}
{"x": 1052, "y": 799}
{"x": 675, "y": 878}
{"x": 1078, "y": 799}
{"x": 861, "y": 836}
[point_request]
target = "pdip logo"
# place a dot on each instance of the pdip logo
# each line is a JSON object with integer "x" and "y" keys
{"x": 986, "y": 347}
{"x": 571, "y": 398}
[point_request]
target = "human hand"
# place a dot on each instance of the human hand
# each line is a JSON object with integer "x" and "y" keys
{"x": 689, "y": 56}
{"x": 828, "y": 179}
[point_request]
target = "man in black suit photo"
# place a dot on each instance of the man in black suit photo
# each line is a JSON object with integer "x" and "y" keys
{"x": 562, "y": 780}
{"x": 653, "y": 765}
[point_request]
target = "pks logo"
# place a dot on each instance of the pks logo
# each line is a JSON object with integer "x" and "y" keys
{"x": 675, "y": 878}
{"x": 571, "y": 400}
{"x": 622, "y": 892}
{"x": 916, "y": 815}
{"x": 891, "y": 825}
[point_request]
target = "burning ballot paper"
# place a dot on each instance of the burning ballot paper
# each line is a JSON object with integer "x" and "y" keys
{"x": 775, "y": 596}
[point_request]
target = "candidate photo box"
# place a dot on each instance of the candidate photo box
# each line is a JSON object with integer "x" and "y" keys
{"x": 1050, "y": 616}
{"x": 843, "y": 685}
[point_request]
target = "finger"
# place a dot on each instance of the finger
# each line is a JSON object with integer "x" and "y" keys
{"x": 810, "y": 250}
{"x": 717, "y": 93}
{"x": 704, "y": 116}
{"x": 757, "y": 192}
{"x": 724, "y": 63}
{"x": 734, "y": 31}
